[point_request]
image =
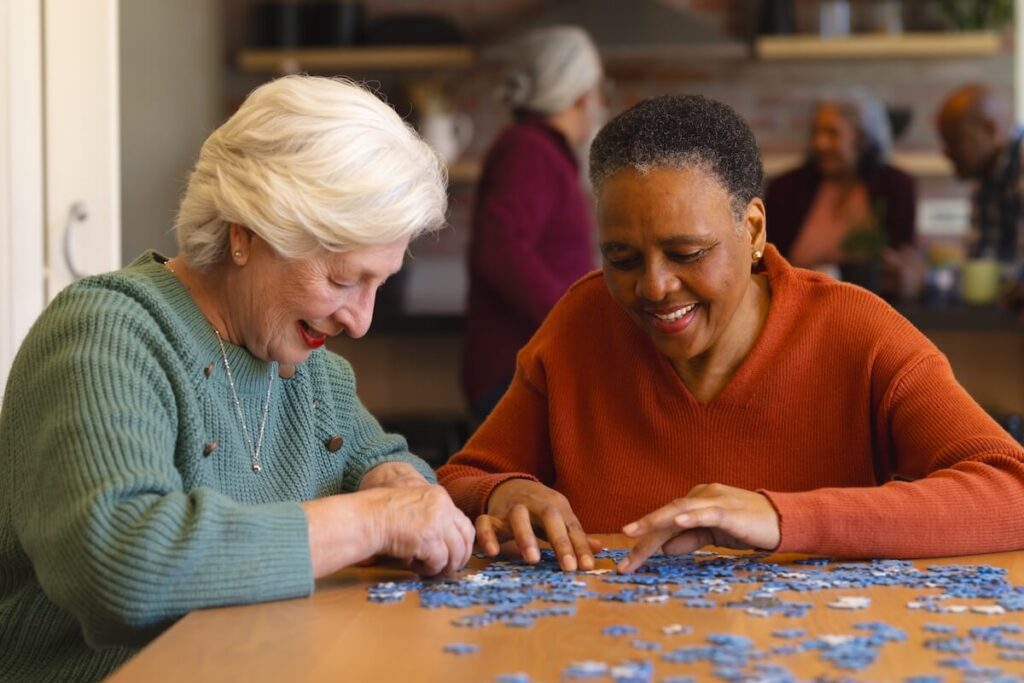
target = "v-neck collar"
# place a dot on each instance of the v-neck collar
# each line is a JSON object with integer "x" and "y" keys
{"x": 741, "y": 388}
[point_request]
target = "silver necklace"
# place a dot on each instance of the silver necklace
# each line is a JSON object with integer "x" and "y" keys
{"x": 254, "y": 449}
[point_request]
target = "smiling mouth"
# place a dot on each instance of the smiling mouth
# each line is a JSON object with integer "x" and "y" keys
{"x": 314, "y": 338}
{"x": 673, "y": 315}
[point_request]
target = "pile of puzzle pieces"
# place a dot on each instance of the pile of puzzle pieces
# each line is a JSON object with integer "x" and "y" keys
{"x": 506, "y": 593}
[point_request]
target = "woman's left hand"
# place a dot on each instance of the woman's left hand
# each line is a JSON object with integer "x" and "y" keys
{"x": 392, "y": 475}
{"x": 389, "y": 475}
{"x": 710, "y": 514}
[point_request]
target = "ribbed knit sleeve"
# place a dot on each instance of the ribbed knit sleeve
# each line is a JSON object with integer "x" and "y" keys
{"x": 371, "y": 445}
{"x": 492, "y": 457}
{"x": 90, "y": 426}
{"x": 967, "y": 493}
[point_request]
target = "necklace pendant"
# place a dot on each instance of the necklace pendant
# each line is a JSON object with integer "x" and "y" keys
{"x": 254, "y": 449}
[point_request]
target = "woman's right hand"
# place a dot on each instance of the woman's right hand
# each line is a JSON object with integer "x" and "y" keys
{"x": 418, "y": 525}
{"x": 519, "y": 509}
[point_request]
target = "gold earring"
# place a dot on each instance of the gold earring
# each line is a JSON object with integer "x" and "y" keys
{"x": 757, "y": 255}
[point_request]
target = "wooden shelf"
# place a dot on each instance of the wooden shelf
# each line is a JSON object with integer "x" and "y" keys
{"x": 321, "y": 60}
{"x": 879, "y": 46}
{"x": 920, "y": 164}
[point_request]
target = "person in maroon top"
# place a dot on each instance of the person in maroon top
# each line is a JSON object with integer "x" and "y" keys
{"x": 532, "y": 233}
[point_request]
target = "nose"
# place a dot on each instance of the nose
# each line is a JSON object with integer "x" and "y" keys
{"x": 821, "y": 142}
{"x": 656, "y": 282}
{"x": 356, "y": 314}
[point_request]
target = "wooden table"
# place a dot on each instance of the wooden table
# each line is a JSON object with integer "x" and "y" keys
{"x": 338, "y": 635}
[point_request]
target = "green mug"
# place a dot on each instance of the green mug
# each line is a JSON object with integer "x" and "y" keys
{"x": 980, "y": 281}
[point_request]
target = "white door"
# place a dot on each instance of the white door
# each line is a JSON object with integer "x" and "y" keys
{"x": 58, "y": 148}
{"x": 83, "y": 202}
{"x": 21, "y": 174}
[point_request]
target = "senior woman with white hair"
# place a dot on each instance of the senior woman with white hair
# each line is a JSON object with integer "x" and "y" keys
{"x": 532, "y": 231}
{"x": 846, "y": 184}
{"x": 173, "y": 437}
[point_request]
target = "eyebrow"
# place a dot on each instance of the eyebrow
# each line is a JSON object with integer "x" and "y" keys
{"x": 668, "y": 242}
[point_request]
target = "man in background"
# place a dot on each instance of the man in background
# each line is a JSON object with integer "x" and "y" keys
{"x": 981, "y": 139}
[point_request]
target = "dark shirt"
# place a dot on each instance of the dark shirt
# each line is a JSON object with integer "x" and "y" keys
{"x": 996, "y": 208}
{"x": 532, "y": 238}
{"x": 789, "y": 197}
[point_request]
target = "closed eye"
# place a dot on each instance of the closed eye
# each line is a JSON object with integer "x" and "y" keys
{"x": 623, "y": 263}
{"x": 689, "y": 257}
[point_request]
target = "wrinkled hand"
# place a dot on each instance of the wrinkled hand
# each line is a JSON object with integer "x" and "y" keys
{"x": 710, "y": 514}
{"x": 389, "y": 475}
{"x": 392, "y": 475}
{"x": 421, "y": 526}
{"x": 520, "y": 509}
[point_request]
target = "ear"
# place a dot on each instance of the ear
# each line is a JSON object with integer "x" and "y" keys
{"x": 755, "y": 221}
{"x": 240, "y": 242}
{"x": 581, "y": 101}
{"x": 989, "y": 128}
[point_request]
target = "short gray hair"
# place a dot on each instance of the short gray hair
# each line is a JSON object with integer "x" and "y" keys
{"x": 311, "y": 164}
{"x": 871, "y": 121}
{"x": 549, "y": 68}
{"x": 682, "y": 132}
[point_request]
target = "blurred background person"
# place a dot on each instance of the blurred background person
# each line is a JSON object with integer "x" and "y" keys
{"x": 845, "y": 187}
{"x": 532, "y": 233}
{"x": 980, "y": 138}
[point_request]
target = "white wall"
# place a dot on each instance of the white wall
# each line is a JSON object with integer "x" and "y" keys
{"x": 171, "y": 98}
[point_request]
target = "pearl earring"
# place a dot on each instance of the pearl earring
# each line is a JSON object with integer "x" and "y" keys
{"x": 238, "y": 253}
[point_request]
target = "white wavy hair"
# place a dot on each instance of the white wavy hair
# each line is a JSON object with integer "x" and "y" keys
{"x": 311, "y": 164}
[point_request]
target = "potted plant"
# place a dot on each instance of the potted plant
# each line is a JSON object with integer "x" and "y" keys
{"x": 862, "y": 249}
{"x": 977, "y": 15}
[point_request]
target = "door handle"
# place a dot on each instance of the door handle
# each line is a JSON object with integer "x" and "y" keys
{"x": 77, "y": 214}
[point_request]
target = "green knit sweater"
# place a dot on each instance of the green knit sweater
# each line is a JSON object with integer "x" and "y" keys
{"x": 127, "y": 491}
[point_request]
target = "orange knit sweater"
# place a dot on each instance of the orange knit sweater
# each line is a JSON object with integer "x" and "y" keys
{"x": 839, "y": 395}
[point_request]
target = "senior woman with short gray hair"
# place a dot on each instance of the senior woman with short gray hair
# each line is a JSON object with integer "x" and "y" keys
{"x": 701, "y": 390}
{"x": 173, "y": 436}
